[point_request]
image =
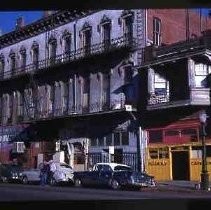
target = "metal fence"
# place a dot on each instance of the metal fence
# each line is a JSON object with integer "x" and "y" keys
{"x": 128, "y": 158}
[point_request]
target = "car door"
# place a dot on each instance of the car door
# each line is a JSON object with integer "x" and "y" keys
{"x": 105, "y": 175}
{"x": 94, "y": 176}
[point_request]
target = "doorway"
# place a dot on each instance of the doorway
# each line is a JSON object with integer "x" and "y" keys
{"x": 180, "y": 165}
{"x": 118, "y": 156}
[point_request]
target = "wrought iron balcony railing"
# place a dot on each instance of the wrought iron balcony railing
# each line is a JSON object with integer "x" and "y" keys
{"x": 196, "y": 96}
{"x": 117, "y": 43}
{"x": 58, "y": 112}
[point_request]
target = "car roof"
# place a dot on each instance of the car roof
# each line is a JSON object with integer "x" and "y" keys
{"x": 113, "y": 165}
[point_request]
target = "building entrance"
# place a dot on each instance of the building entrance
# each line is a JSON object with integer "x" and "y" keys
{"x": 180, "y": 165}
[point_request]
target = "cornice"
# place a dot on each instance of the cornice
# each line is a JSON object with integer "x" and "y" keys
{"x": 42, "y": 25}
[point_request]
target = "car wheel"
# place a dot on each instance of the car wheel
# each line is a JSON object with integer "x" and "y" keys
{"x": 78, "y": 183}
{"x": 25, "y": 180}
{"x": 115, "y": 184}
{"x": 52, "y": 182}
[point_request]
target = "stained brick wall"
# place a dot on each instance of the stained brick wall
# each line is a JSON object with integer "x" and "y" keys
{"x": 173, "y": 24}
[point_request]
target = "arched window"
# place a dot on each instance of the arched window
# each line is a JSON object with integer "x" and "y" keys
{"x": 35, "y": 55}
{"x": 86, "y": 35}
{"x": 66, "y": 38}
{"x": 52, "y": 45}
{"x": 2, "y": 65}
{"x": 22, "y": 58}
{"x": 127, "y": 20}
{"x": 105, "y": 25}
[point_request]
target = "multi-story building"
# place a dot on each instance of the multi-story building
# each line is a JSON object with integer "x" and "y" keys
{"x": 71, "y": 79}
{"x": 178, "y": 90}
{"x": 68, "y": 78}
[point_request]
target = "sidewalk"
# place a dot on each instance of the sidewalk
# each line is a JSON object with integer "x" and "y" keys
{"x": 187, "y": 186}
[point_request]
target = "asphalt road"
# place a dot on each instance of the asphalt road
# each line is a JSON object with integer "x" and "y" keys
{"x": 19, "y": 192}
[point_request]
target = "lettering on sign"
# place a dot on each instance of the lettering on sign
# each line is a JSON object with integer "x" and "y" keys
{"x": 157, "y": 163}
{"x": 198, "y": 162}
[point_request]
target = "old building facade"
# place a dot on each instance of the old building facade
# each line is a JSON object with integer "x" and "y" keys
{"x": 70, "y": 82}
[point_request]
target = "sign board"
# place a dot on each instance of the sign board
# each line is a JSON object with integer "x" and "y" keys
{"x": 128, "y": 108}
{"x": 111, "y": 150}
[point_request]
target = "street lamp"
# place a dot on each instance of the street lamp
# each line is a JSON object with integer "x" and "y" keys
{"x": 204, "y": 172}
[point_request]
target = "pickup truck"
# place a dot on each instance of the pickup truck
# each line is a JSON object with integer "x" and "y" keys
{"x": 113, "y": 175}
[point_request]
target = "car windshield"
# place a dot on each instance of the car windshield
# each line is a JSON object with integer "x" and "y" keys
{"x": 122, "y": 168}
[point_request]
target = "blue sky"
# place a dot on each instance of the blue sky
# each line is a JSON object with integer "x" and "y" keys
{"x": 8, "y": 19}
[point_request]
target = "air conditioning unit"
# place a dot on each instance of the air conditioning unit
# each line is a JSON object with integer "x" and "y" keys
{"x": 129, "y": 108}
{"x": 19, "y": 147}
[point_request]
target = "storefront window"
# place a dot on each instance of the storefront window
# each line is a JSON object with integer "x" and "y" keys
{"x": 153, "y": 153}
{"x": 163, "y": 153}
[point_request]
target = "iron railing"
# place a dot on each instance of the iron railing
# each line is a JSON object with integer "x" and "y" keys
{"x": 128, "y": 158}
{"x": 85, "y": 52}
{"x": 55, "y": 112}
{"x": 158, "y": 99}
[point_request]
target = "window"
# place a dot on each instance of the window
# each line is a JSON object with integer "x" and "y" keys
{"x": 86, "y": 40}
{"x": 155, "y": 136}
{"x": 125, "y": 138}
{"x": 12, "y": 62}
{"x": 52, "y": 50}
{"x": 153, "y": 153}
{"x": 163, "y": 153}
{"x": 106, "y": 34}
{"x": 35, "y": 55}
{"x": 196, "y": 152}
{"x": 156, "y": 31}
{"x": 67, "y": 43}
{"x": 128, "y": 27}
{"x": 23, "y": 59}
{"x": 160, "y": 85}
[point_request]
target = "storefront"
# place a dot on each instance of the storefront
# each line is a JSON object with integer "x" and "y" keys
{"x": 177, "y": 162}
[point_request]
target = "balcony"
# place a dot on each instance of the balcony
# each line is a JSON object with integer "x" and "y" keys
{"x": 79, "y": 110}
{"x": 65, "y": 58}
{"x": 197, "y": 97}
{"x": 153, "y": 54}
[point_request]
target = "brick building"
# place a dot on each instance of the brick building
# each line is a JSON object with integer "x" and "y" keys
{"x": 71, "y": 79}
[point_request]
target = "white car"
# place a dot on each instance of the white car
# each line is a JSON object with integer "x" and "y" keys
{"x": 63, "y": 173}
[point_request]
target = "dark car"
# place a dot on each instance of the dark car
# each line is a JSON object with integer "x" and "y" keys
{"x": 10, "y": 173}
{"x": 113, "y": 175}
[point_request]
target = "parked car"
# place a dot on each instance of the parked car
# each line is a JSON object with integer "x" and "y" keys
{"x": 113, "y": 175}
{"x": 63, "y": 174}
{"x": 31, "y": 176}
{"x": 10, "y": 173}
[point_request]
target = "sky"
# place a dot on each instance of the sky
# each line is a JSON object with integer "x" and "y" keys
{"x": 8, "y": 19}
